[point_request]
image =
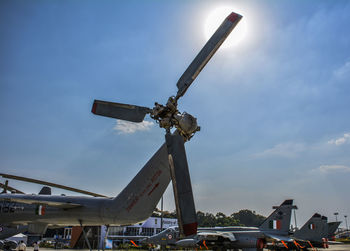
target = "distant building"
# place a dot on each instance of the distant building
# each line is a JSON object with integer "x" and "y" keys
{"x": 147, "y": 228}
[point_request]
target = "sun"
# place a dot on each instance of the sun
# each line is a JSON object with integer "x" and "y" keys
{"x": 216, "y": 17}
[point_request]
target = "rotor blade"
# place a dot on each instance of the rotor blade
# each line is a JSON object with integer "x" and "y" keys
{"x": 206, "y": 53}
{"x": 185, "y": 208}
{"x": 9, "y": 188}
{"x": 45, "y": 183}
{"x": 131, "y": 113}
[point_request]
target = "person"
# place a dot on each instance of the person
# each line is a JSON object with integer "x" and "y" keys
{"x": 36, "y": 246}
{"x": 22, "y": 246}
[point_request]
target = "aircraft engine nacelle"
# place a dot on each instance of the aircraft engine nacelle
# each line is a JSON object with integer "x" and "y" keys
{"x": 8, "y": 245}
{"x": 186, "y": 243}
{"x": 250, "y": 242}
{"x": 260, "y": 243}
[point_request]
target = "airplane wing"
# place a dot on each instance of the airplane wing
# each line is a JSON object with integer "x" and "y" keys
{"x": 214, "y": 234}
{"x": 38, "y": 200}
{"x": 335, "y": 242}
{"x": 279, "y": 237}
{"x": 205, "y": 236}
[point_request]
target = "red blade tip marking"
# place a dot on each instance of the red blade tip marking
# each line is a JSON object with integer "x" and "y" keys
{"x": 190, "y": 229}
{"x": 232, "y": 17}
{"x": 93, "y": 110}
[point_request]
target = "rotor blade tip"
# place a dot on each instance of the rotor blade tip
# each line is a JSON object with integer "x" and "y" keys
{"x": 93, "y": 110}
{"x": 190, "y": 229}
{"x": 233, "y": 17}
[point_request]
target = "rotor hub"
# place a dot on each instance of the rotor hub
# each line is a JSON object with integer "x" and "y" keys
{"x": 186, "y": 124}
{"x": 168, "y": 117}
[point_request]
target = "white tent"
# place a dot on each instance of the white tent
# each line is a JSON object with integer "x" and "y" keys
{"x": 18, "y": 238}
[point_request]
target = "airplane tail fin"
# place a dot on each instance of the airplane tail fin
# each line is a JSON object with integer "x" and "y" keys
{"x": 279, "y": 220}
{"x": 140, "y": 197}
{"x": 314, "y": 229}
{"x": 332, "y": 228}
{"x": 324, "y": 231}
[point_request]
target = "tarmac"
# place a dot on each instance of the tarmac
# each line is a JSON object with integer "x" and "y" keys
{"x": 338, "y": 247}
{"x": 331, "y": 248}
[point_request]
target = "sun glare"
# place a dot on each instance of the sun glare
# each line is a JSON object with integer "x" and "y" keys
{"x": 217, "y": 16}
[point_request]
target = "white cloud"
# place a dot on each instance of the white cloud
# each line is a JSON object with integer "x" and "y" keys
{"x": 289, "y": 150}
{"x": 126, "y": 127}
{"x": 341, "y": 140}
{"x": 343, "y": 72}
{"x": 333, "y": 168}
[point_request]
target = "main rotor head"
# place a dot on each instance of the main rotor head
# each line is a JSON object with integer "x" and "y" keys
{"x": 168, "y": 117}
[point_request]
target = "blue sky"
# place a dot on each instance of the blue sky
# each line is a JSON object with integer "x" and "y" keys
{"x": 273, "y": 109}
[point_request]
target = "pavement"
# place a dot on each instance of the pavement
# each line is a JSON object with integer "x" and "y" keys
{"x": 339, "y": 247}
{"x": 331, "y": 248}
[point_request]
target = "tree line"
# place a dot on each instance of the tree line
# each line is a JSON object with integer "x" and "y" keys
{"x": 243, "y": 217}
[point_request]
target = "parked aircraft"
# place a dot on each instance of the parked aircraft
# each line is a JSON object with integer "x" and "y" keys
{"x": 235, "y": 237}
{"x": 313, "y": 233}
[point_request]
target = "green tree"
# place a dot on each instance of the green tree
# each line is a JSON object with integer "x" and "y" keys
{"x": 248, "y": 218}
{"x": 242, "y": 218}
{"x": 206, "y": 219}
